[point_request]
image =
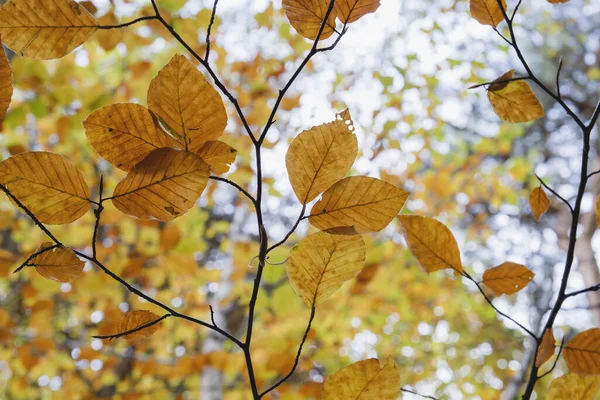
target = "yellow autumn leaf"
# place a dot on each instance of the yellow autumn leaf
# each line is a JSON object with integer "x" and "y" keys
{"x": 59, "y": 264}
{"x": 364, "y": 380}
{"x": 487, "y": 12}
{"x": 187, "y": 104}
{"x": 48, "y": 185}
{"x": 320, "y": 263}
{"x": 431, "y": 242}
{"x": 507, "y": 278}
{"x": 557, "y": 1}
{"x": 136, "y": 319}
{"x": 306, "y": 16}
{"x": 546, "y": 349}
{"x": 582, "y": 353}
{"x": 6, "y": 87}
{"x": 218, "y": 155}
{"x": 124, "y": 134}
{"x": 360, "y": 203}
{"x": 321, "y": 156}
{"x": 165, "y": 185}
{"x": 539, "y": 202}
{"x": 514, "y": 101}
{"x": 45, "y": 29}
{"x": 574, "y": 387}
{"x": 349, "y": 11}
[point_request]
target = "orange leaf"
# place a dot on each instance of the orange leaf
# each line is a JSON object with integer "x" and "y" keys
{"x": 59, "y": 264}
{"x": 487, "y": 12}
{"x": 6, "y": 87}
{"x": 546, "y": 349}
{"x": 507, "y": 278}
{"x": 539, "y": 203}
{"x": 582, "y": 353}
{"x": 306, "y": 16}
{"x": 135, "y": 319}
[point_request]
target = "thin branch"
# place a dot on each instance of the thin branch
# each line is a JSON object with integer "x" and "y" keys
{"x": 594, "y": 288}
{"x": 512, "y": 17}
{"x": 97, "y": 214}
{"x": 212, "y": 315}
{"x": 595, "y": 116}
{"x": 418, "y": 394}
{"x": 562, "y": 343}
{"x": 298, "y": 354}
{"x": 502, "y": 36}
{"x": 210, "y": 25}
{"x": 593, "y": 173}
{"x": 555, "y": 193}
{"x": 235, "y": 185}
{"x": 520, "y": 78}
{"x": 134, "y": 330}
{"x": 126, "y": 24}
{"x": 26, "y": 263}
{"x": 560, "y": 63}
{"x": 291, "y": 232}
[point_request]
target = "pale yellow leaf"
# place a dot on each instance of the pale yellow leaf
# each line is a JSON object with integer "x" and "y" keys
{"x": 306, "y": 16}
{"x": 320, "y": 263}
{"x": 45, "y": 28}
{"x": 574, "y": 387}
{"x": 6, "y": 87}
{"x": 48, "y": 185}
{"x": 487, "y": 12}
{"x": 187, "y": 104}
{"x": 431, "y": 242}
{"x": 321, "y": 156}
{"x": 582, "y": 353}
{"x": 359, "y": 202}
{"x": 539, "y": 202}
{"x": 124, "y": 134}
{"x": 364, "y": 380}
{"x": 349, "y": 11}
{"x": 514, "y": 101}
{"x": 507, "y": 278}
{"x": 59, "y": 264}
{"x": 136, "y": 319}
{"x": 218, "y": 155}
{"x": 546, "y": 349}
{"x": 165, "y": 185}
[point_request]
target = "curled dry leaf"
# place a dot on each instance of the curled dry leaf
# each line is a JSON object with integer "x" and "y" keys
{"x": 218, "y": 155}
{"x": 124, "y": 134}
{"x": 6, "y": 87}
{"x": 582, "y": 353}
{"x": 60, "y": 264}
{"x": 321, "y": 156}
{"x": 487, "y": 12}
{"x": 165, "y": 185}
{"x": 364, "y": 380}
{"x": 574, "y": 387}
{"x": 514, "y": 101}
{"x": 45, "y": 29}
{"x": 187, "y": 105}
{"x": 539, "y": 202}
{"x": 136, "y": 319}
{"x": 507, "y": 278}
{"x": 306, "y": 16}
{"x": 431, "y": 242}
{"x": 546, "y": 349}
{"x": 320, "y": 263}
{"x": 359, "y": 202}
{"x": 48, "y": 185}
{"x": 349, "y": 11}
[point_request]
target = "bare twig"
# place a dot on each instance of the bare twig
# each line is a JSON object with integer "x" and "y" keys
{"x": 555, "y": 193}
{"x": 519, "y": 78}
{"x": 126, "y": 24}
{"x": 418, "y": 394}
{"x": 235, "y": 185}
{"x": 291, "y": 232}
{"x": 210, "y": 25}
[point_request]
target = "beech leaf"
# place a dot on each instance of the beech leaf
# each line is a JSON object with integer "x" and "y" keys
{"x": 165, "y": 185}
{"x": 431, "y": 242}
{"x": 48, "y": 185}
{"x": 306, "y": 16}
{"x": 45, "y": 29}
{"x": 546, "y": 349}
{"x": 507, "y": 278}
{"x": 124, "y": 134}
{"x": 582, "y": 353}
{"x": 349, "y": 11}
{"x": 359, "y": 202}
{"x": 574, "y": 387}
{"x": 218, "y": 155}
{"x": 135, "y": 319}
{"x": 189, "y": 107}
{"x": 321, "y": 156}
{"x": 6, "y": 86}
{"x": 320, "y": 263}
{"x": 539, "y": 202}
{"x": 514, "y": 101}
{"x": 364, "y": 380}
{"x": 487, "y": 12}
{"x": 60, "y": 264}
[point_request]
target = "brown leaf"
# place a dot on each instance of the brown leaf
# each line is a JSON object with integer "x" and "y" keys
{"x": 165, "y": 185}
{"x": 218, "y": 155}
{"x": 507, "y": 278}
{"x": 60, "y": 264}
{"x": 574, "y": 387}
{"x": 487, "y": 12}
{"x": 124, "y": 134}
{"x": 431, "y": 242}
{"x": 539, "y": 202}
{"x": 6, "y": 87}
{"x": 135, "y": 319}
{"x": 546, "y": 349}
{"x": 306, "y": 16}
{"x": 45, "y": 29}
{"x": 556, "y": 1}
{"x": 514, "y": 101}
{"x": 188, "y": 106}
{"x": 364, "y": 203}
{"x": 582, "y": 353}
{"x": 48, "y": 185}
{"x": 349, "y": 11}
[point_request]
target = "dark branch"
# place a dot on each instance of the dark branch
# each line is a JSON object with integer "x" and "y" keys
{"x": 520, "y": 78}
{"x": 126, "y": 24}
{"x": 418, "y": 394}
{"x": 235, "y": 185}
{"x": 562, "y": 343}
{"x": 27, "y": 263}
{"x": 594, "y": 288}
{"x": 210, "y": 25}
{"x": 555, "y": 193}
{"x": 291, "y": 232}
